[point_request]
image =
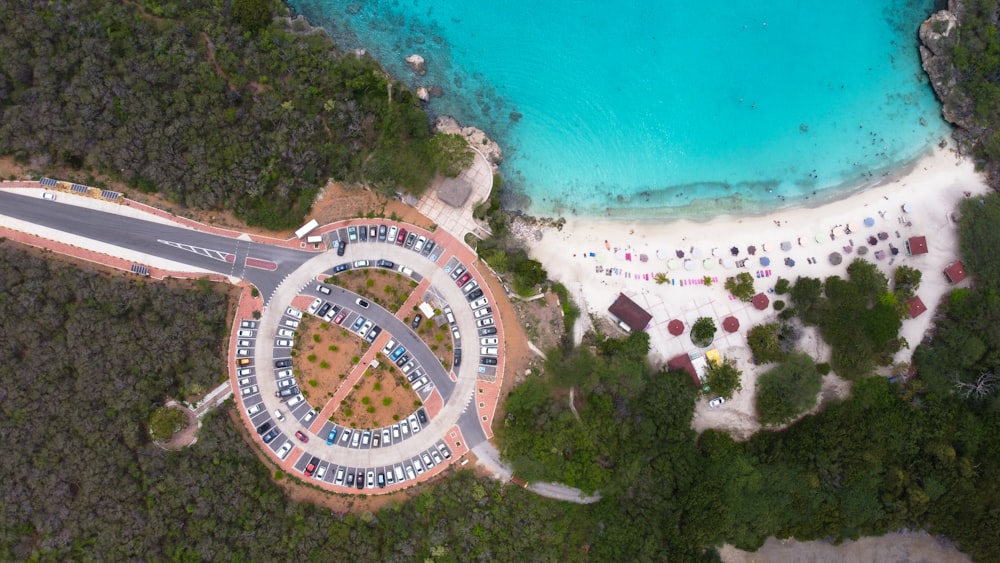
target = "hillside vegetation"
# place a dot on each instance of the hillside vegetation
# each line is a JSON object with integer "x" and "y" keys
{"x": 214, "y": 104}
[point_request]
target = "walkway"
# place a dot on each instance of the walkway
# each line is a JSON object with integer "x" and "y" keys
{"x": 458, "y": 220}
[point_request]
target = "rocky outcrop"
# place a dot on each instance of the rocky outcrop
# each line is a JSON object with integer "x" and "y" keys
{"x": 417, "y": 63}
{"x": 423, "y": 94}
{"x": 476, "y": 137}
{"x": 938, "y": 36}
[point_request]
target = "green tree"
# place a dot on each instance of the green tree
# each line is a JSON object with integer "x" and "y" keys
{"x": 979, "y": 238}
{"x": 906, "y": 281}
{"x": 765, "y": 342}
{"x": 807, "y": 295}
{"x": 741, "y": 286}
{"x": 703, "y": 331}
{"x": 165, "y": 422}
{"x": 787, "y": 390}
{"x": 252, "y": 15}
{"x": 723, "y": 378}
{"x": 450, "y": 153}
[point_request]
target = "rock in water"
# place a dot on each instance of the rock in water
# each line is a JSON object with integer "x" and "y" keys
{"x": 417, "y": 63}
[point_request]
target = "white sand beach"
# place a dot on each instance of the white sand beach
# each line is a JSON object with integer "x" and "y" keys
{"x": 919, "y": 202}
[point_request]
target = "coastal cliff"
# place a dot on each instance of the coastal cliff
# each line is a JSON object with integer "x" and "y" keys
{"x": 476, "y": 138}
{"x": 945, "y": 40}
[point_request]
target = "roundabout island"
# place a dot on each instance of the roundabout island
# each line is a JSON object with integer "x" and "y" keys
{"x": 397, "y": 312}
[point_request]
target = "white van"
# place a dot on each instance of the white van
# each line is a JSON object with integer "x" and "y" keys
{"x": 397, "y": 471}
{"x": 295, "y": 400}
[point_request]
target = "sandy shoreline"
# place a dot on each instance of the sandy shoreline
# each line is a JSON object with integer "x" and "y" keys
{"x": 586, "y": 249}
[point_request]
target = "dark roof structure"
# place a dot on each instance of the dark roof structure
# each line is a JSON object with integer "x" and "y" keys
{"x": 630, "y": 313}
{"x": 454, "y": 191}
{"x": 731, "y": 324}
{"x": 955, "y": 272}
{"x": 675, "y": 327}
{"x": 683, "y": 363}
{"x": 916, "y": 245}
{"x": 916, "y": 307}
{"x": 760, "y": 301}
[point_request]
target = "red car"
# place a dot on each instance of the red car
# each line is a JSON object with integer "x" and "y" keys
{"x": 340, "y": 318}
{"x": 465, "y": 277}
{"x": 301, "y": 436}
{"x": 401, "y": 237}
{"x": 311, "y": 467}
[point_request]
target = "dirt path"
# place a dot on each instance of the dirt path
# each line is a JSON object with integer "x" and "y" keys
{"x": 912, "y": 547}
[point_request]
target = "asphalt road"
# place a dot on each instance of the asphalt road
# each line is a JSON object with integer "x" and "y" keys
{"x": 187, "y": 246}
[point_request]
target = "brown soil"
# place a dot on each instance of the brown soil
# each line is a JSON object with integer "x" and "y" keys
{"x": 337, "y": 201}
{"x": 187, "y": 434}
{"x": 542, "y": 320}
{"x": 438, "y": 339}
{"x": 384, "y": 383}
{"x": 387, "y": 288}
{"x": 330, "y": 368}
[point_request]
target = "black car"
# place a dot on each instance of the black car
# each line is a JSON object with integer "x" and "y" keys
{"x": 363, "y": 232}
{"x": 427, "y": 248}
{"x": 385, "y": 264}
{"x": 381, "y": 480}
{"x": 410, "y": 239}
{"x": 458, "y": 357}
{"x": 488, "y": 331}
{"x": 475, "y": 294}
{"x": 487, "y": 361}
{"x": 341, "y": 268}
{"x": 350, "y": 479}
{"x": 361, "y": 479}
{"x": 270, "y": 436}
{"x": 264, "y": 427}
{"x": 416, "y": 321}
{"x": 402, "y": 360}
{"x": 286, "y": 363}
{"x": 382, "y": 232}
{"x": 422, "y": 415}
{"x": 341, "y": 248}
{"x": 373, "y": 334}
{"x": 323, "y": 310}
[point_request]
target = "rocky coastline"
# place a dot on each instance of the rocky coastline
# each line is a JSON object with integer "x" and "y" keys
{"x": 939, "y": 34}
{"x": 476, "y": 138}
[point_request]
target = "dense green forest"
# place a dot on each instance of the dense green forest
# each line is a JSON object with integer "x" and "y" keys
{"x": 214, "y": 104}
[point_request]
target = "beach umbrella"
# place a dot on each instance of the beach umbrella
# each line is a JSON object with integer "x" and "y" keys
{"x": 643, "y": 258}
{"x": 803, "y": 242}
{"x": 879, "y": 254}
{"x": 727, "y": 263}
{"x": 906, "y": 208}
{"x": 836, "y": 258}
{"x": 620, "y": 254}
{"x": 731, "y": 324}
{"x": 764, "y": 246}
{"x": 765, "y": 261}
{"x": 789, "y": 262}
{"x": 697, "y": 253}
{"x": 675, "y": 327}
{"x": 708, "y": 263}
{"x": 850, "y": 228}
{"x": 689, "y": 265}
{"x": 662, "y": 254}
{"x": 872, "y": 241}
{"x": 715, "y": 251}
{"x": 760, "y": 301}
{"x": 820, "y": 237}
{"x": 883, "y": 235}
{"x": 869, "y": 222}
{"x": 751, "y": 250}
{"x": 734, "y": 251}
{"x": 862, "y": 250}
{"x": 679, "y": 253}
{"x": 786, "y": 246}
{"x": 673, "y": 264}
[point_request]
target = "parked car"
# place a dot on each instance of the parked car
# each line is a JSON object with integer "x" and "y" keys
{"x": 381, "y": 233}
{"x": 323, "y": 289}
{"x": 481, "y": 302}
{"x": 293, "y": 312}
{"x": 341, "y": 249}
{"x": 444, "y": 451}
{"x": 489, "y": 351}
{"x": 385, "y": 264}
{"x": 422, "y": 416}
{"x": 414, "y": 426}
{"x": 245, "y": 334}
{"x": 311, "y": 466}
{"x": 458, "y": 357}
{"x": 488, "y": 321}
{"x": 363, "y": 233}
{"x": 401, "y": 237}
{"x": 264, "y": 427}
{"x": 373, "y": 334}
{"x": 286, "y": 333}
{"x": 487, "y": 361}
{"x": 284, "y": 449}
{"x": 489, "y": 341}
{"x": 270, "y": 436}
{"x": 244, "y": 361}
{"x": 340, "y": 318}
{"x": 458, "y": 271}
{"x": 309, "y": 417}
{"x": 358, "y": 323}
{"x": 321, "y": 472}
{"x": 340, "y": 477}
{"x": 716, "y": 402}
{"x": 484, "y": 312}
{"x": 474, "y": 294}
{"x": 341, "y": 268}
{"x": 279, "y": 415}
{"x": 488, "y": 331}
{"x": 350, "y": 479}
{"x": 419, "y": 245}
{"x": 361, "y": 263}
{"x": 248, "y": 324}
{"x": 469, "y": 286}
{"x": 323, "y": 310}
{"x": 361, "y": 303}
{"x": 392, "y": 234}
{"x": 416, "y": 321}
{"x": 314, "y": 305}
{"x": 352, "y": 234}
{"x": 286, "y": 363}
{"x": 283, "y": 343}
{"x": 331, "y": 437}
{"x": 410, "y": 239}
{"x": 397, "y": 353}
{"x": 247, "y": 391}
{"x": 428, "y": 247}
{"x": 463, "y": 279}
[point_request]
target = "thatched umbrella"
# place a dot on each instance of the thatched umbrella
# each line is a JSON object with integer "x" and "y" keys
{"x": 836, "y": 258}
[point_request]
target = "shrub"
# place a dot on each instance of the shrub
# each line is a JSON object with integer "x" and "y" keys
{"x": 324, "y": 364}
{"x": 703, "y": 331}
{"x": 723, "y": 378}
{"x": 348, "y": 411}
{"x": 317, "y": 338}
{"x": 254, "y": 292}
{"x": 386, "y": 401}
{"x": 787, "y": 390}
{"x": 741, "y": 286}
{"x": 823, "y": 368}
{"x": 779, "y": 305}
{"x": 366, "y": 400}
{"x": 165, "y": 422}
{"x": 311, "y": 357}
{"x": 355, "y": 359}
{"x": 377, "y": 386}
{"x": 313, "y": 383}
{"x": 370, "y": 410}
{"x": 782, "y": 286}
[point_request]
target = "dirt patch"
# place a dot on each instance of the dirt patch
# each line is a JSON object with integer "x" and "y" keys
{"x": 388, "y": 288}
{"x": 541, "y": 319}
{"x": 900, "y": 546}
{"x": 438, "y": 339}
{"x": 324, "y": 356}
{"x": 380, "y": 398}
{"x": 187, "y": 435}
{"x": 337, "y": 201}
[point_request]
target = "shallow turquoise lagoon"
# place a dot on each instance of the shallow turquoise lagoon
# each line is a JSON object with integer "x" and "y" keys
{"x": 648, "y": 109}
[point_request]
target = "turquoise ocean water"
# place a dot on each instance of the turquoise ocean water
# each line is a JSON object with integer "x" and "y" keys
{"x": 657, "y": 108}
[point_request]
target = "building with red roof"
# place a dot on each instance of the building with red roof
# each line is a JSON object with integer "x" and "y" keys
{"x": 916, "y": 246}
{"x": 630, "y": 313}
{"x": 955, "y": 272}
{"x": 916, "y": 307}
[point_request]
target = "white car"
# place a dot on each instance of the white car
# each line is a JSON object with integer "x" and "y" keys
{"x": 323, "y": 289}
{"x": 716, "y": 402}
{"x": 245, "y": 343}
{"x": 413, "y": 423}
{"x": 409, "y": 366}
{"x": 488, "y": 321}
{"x": 488, "y": 341}
{"x": 294, "y": 313}
{"x": 291, "y": 323}
{"x": 420, "y": 244}
{"x": 249, "y": 390}
{"x": 315, "y": 305}
{"x": 363, "y": 331}
{"x": 287, "y": 382}
{"x": 419, "y": 466}
{"x": 392, "y": 234}
{"x": 371, "y": 480}
{"x": 409, "y": 473}
{"x": 481, "y": 302}
{"x": 427, "y": 460}
{"x": 244, "y": 352}
{"x": 385, "y": 436}
{"x": 420, "y": 383}
{"x": 388, "y": 347}
{"x": 404, "y": 426}
{"x": 309, "y": 417}
{"x": 286, "y": 333}
{"x": 254, "y": 409}
{"x": 340, "y": 476}
{"x": 395, "y": 432}
{"x": 49, "y": 196}
{"x": 245, "y": 371}
{"x": 279, "y": 415}
{"x": 284, "y": 373}
{"x": 484, "y": 312}
{"x": 406, "y": 271}
{"x": 244, "y": 382}
{"x": 283, "y": 343}
{"x": 321, "y": 472}
{"x": 488, "y": 351}
{"x": 469, "y": 286}
{"x": 245, "y": 334}
{"x": 455, "y": 333}
{"x": 285, "y": 448}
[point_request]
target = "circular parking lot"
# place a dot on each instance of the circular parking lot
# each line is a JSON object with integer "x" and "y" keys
{"x": 361, "y": 373}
